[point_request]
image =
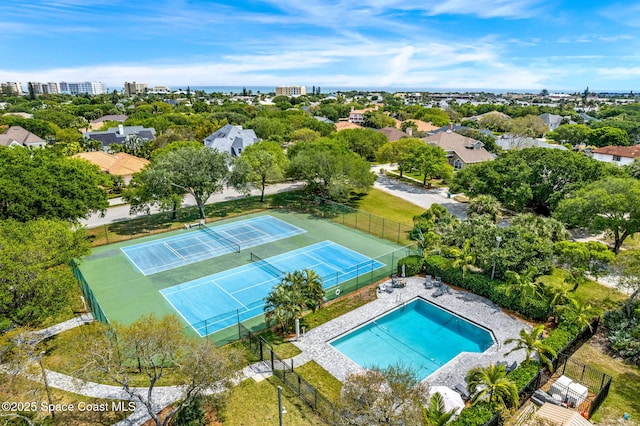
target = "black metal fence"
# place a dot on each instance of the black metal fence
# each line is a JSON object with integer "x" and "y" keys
{"x": 89, "y": 297}
{"x": 285, "y": 372}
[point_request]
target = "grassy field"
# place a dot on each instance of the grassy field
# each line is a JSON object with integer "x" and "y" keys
{"x": 388, "y": 206}
{"x": 256, "y": 404}
{"x": 624, "y": 395}
{"x": 322, "y": 380}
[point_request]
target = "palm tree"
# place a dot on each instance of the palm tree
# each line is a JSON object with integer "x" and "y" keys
{"x": 280, "y": 307}
{"x": 435, "y": 414}
{"x": 464, "y": 257}
{"x": 485, "y": 205}
{"x": 491, "y": 384}
{"x": 523, "y": 284}
{"x": 532, "y": 343}
{"x": 578, "y": 312}
{"x": 312, "y": 289}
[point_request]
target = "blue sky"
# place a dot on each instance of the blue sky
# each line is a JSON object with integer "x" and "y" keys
{"x": 462, "y": 44}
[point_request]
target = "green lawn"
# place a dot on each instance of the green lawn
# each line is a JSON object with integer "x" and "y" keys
{"x": 388, "y": 206}
{"x": 624, "y": 395}
{"x": 256, "y": 404}
{"x": 321, "y": 379}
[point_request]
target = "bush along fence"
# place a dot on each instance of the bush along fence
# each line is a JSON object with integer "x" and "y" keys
{"x": 285, "y": 372}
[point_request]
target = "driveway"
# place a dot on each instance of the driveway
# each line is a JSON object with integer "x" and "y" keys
{"x": 421, "y": 196}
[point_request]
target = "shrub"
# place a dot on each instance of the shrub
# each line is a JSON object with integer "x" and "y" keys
{"x": 476, "y": 415}
{"x": 624, "y": 334}
{"x": 494, "y": 290}
{"x": 524, "y": 373}
{"x": 412, "y": 265}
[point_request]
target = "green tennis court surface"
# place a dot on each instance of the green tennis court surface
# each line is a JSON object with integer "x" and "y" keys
{"x": 241, "y": 291}
{"x": 124, "y": 294}
{"x": 207, "y": 242}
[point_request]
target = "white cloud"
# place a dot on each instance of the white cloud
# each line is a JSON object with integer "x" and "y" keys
{"x": 620, "y": 73}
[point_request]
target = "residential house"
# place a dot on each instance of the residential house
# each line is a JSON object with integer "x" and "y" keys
{"x": 461, "y": 151}
{"x": 99, "y": 122}
{"x": 231, "y": 139}
{"x": 553, "y": 121}
{"x": 422, "y": 126}
{"x": 619, "y": 155}
{"x": 393, "y": 134}
{"x": 357, "y": 115}
{"x": 342, "y": 125}
{"x": 18, "y": 136}
{"x": 118, "y": 135}
{"x": 507, "y": 142}
{"x": 120, "y": 164}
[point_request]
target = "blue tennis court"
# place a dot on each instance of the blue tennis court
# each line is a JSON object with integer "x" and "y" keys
{"x": 210, "y": 304}
{"x": 206, "y": 243}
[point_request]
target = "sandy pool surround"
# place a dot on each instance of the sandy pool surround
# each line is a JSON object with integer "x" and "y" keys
{"x": 315, "y": 344}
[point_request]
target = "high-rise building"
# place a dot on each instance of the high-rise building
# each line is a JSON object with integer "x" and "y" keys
{"x": 134, "y": 88}
{"x": 12, "y": 87}
{"x": 291, "y": 90}
{"x": 90, "y": 87}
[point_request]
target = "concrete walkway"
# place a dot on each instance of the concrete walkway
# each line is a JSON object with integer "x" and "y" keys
{"x": 163, "y": 396}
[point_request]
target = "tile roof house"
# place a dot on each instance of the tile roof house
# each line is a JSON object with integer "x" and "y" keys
{"x": 461, "y": 150}
{"x": 392, "y": 133}
{"x": 342, "y": 125}
{"x": 119, "y": 134}
{"x": 357, "y": 115}
{"x": 18, "y": 136}
{"x": 619, "y": 155}
{"x": 120, "y": 164}
{"x": 231, "y": 139}
{"x": 423, "y": 126}
{"x": 99, "y": 122}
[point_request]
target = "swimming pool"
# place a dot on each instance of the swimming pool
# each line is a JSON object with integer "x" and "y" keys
{"x": 418, "y": 335}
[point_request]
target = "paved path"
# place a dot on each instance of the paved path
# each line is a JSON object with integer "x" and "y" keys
{"x": 119, "y": 212}
{"x": 163, "y": 395}
{"x": 421, "y": 196}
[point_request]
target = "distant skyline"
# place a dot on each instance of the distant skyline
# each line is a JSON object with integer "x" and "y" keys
{"x": 431, "y": 44}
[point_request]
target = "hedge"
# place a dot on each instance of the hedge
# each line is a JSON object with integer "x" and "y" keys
{"x": 412, "y": 265}
{"x": 494, "y": 290}
{"x": 475, "y": 415}
{"x": 524, "y": 373}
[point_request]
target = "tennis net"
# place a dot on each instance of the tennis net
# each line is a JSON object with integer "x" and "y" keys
{"x": 235, "y": 247}
{"x": 267, "y": 266}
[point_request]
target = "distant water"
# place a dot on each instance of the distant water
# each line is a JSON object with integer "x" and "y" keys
{"x": 327, "y": 90}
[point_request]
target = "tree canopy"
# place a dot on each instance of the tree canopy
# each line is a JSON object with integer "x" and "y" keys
{"x": 44, "y": 184}
{"x": 610, "y": 205}
{"x": 260, "y": 164}
{"x": 36, "y": 281}
{"x": 533, "y": 178}
{"x": 330, "y": 169}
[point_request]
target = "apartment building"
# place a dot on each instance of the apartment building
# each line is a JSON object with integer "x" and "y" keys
{"x": 90, "y": 87}
{"x": 134, "y": 88}
{"x": 11, "y": 87}
{"x": 291, "y": 90}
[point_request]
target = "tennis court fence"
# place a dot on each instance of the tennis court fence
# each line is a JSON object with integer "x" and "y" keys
{"x": 296, "y": 201}
{"x": 89, "y": 297}
{"x": 339, "y": 284}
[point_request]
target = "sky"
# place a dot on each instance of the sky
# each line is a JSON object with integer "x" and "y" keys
{"x": 561, "y": 45}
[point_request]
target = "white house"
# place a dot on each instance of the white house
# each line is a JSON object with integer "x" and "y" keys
{"x": 231, "y": 139}
{"x": 619, "y": 155}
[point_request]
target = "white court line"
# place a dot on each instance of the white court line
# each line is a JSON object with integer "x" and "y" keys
{"x": 173, "y": 251}
{"x": 204, "y": 282}
{"x": 230, "y": 295}
{"x": 180, "y": 313}
{"x": 320, "y": 261}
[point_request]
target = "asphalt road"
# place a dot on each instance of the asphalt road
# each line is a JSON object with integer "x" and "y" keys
{"x": 419, "y": 196}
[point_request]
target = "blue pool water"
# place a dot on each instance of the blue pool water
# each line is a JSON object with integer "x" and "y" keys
{"x": 419, "y": 335}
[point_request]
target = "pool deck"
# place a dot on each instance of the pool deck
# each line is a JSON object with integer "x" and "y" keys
{"x": 315, "y": 343}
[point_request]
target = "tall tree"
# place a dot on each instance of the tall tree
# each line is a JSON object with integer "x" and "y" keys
{"x": 364, "y": 142}
{"x": 157, "y": 346}
{"x": 580, "y": 259}
{"x": 260, "y": 164}
{"x": 330, "y": 169}
{"x": 44, "y": 184}
{"x": 400, "y": 152}
{"x": 431, "y": 162}
{"x": 36, "y": 281}
{"x": 378, "y": 396}
{"x": 485, "y": 205}
{"x": 610, "y": 205}
{"x": 198, "y": 171}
